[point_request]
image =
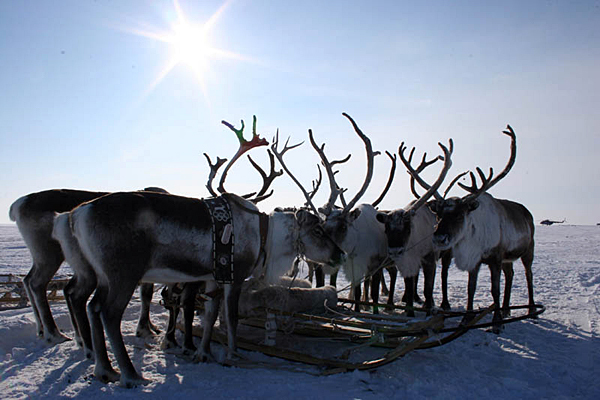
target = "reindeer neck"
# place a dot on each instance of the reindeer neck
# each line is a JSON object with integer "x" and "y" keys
{"x": 283, "y": 244}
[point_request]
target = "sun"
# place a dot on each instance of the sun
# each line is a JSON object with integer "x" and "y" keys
{"x": 189, "y": 45}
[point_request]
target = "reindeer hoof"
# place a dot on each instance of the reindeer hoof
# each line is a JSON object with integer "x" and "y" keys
{"x": 56, "y": 339}
{"x": 106, "y": 375}
{"x": 133, "y": 382}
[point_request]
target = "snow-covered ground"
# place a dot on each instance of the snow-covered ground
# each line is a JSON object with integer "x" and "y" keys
{"x": 557, "y": 356}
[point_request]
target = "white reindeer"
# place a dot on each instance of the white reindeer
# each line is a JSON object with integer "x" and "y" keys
{"x": 356, "y": 230}
{"x": 482, "y": 229}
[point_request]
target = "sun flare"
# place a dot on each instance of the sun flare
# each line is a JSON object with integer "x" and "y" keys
{"x": 189, "y": 45}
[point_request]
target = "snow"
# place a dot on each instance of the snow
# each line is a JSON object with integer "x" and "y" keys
{"x": 557, "y": 356}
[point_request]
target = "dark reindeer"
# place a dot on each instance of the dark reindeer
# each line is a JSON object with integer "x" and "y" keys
{"x": 482, "y": 229}
{"x": 34, "y": 215}
{"x": 152, "y": 237}
{"x": 184, "y": 295}
{"x": 409, "y": 231}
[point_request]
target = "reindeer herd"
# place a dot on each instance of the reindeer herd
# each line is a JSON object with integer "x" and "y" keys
{"x": 115, "y": 241}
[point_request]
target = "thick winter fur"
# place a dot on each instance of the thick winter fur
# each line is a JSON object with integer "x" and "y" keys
{"x": 363, "y": 238}
{"x": 152, "y": 237}
{"x": 34, "y": 215}
{"x": 409, "y": 235}
{"x": 491, "y": 231}
{"x": 289, "y": 295}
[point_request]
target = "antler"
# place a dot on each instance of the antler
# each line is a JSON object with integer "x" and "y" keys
{"x": 433, "y": 188}
{"x": 279, "y": 155}
{"x": 244, "y": 147}
{"x": 370, "y": 163}
{"x": 488, "y": 182}
{"x": 390, "y": 179}
{"x": 316, "y": 183}
{"x": 267, "y": 180}
{"x": 414, "y": 176}
{"x": 213, "y": 172}
{"x": 335, "y": 190}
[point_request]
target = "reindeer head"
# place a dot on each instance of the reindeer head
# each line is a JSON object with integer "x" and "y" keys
{"x": 399, "y": 223}
{"x": 454, "y": 214}
{"x": 318, "y": 245}
{"x": 398, "y": 226}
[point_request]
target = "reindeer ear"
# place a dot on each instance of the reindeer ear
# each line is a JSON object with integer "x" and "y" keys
{"x": 303, "y": 217}
{"x": 382, "y": 217}
{"x": 354, "y": 214}
{"x": 432, "y": 206}
{"x": 473, "y": 205}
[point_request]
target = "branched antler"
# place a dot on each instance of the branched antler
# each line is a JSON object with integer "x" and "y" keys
{"x": 245, "y": 145}
{"x": 335, "y": 190}
{"x": 213, "y": 172}
{"x": 267, "y": 179}
{"x": 432, "y": 190}
{"x": 486, "y": 181}
{"x": 279, "y": 155}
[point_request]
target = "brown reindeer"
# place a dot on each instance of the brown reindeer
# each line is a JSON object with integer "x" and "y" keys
{"x": 482, "y": 229}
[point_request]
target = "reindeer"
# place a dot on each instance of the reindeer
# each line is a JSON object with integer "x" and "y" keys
{"x": 34, "y": 215}
{"x": 378, "y": 275}
{"x": 152, "y": 237}
{"x": 356, "y": 230}
{"x": 409, "y": 231}
{"x": 482, "y": 229}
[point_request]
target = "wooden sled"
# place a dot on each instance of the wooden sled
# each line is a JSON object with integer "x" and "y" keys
{"x": 13, "y": 294}
{"x": 338, "y": 341}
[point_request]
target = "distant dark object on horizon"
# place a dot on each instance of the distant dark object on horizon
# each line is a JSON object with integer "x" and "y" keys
{"x": 550, "y": 222}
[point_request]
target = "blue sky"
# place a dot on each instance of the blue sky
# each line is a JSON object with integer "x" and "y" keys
{"x": 86, "y": 102}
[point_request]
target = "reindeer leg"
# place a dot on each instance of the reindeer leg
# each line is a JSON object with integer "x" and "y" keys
{"x": 103, "y": 371}
{"x": 210, "y": 316}
{"x": 527, "y": 260}
{"x": 472, "y": 286}
{"x": 29, "y": 290}
{"x": 393, "y": 271}
{"x": 189, "y": 303}
{"x": 319, "y": 276}
{"x": 409, "y": 293}
{"x": 507, "y": 268}
{"x": 77, "y": 292}
{"x": 376, "y": 280}
{"x": 68, "y": 293}
{"x": 169, "y": 299}
{"x": 36, "y": 283}
{"x": 495, "y": 269}
{"x": 112, "y": 312}
{"x": 416, "y": 296}
{"x": 232, "y": 295}
{"x": 145, "y": 328}
{"x": 446, "y": 259}
{"x": 333, "y": 279}
{"x": 429, "y": 276}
